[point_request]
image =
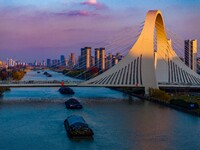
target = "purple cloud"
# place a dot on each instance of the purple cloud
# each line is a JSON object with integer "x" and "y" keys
{"x": 81, "y": 13}
{"x": 78, "y": 13}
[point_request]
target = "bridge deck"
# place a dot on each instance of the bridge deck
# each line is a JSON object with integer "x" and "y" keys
{"x": 35, "y": 85}
{"x": 16, "y": 84}
{"x": 178, "y": 85}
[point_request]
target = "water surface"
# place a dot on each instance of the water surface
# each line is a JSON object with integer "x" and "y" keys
{"x": 32, "y": 118}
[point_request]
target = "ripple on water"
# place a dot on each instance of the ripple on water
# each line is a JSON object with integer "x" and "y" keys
{"x": 118, "y": 121}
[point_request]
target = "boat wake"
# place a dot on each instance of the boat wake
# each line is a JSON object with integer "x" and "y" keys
{"x": 31, "y": 100}
{"x": 62, "y": 100}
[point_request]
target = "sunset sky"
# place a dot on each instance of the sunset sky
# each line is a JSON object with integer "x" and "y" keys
{"x": 36, "y": 29}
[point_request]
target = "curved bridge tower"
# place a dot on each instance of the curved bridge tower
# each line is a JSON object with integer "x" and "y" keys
{"x": 145, "y": 66}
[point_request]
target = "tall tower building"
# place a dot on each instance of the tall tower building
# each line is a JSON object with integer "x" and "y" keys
{"x": 102, "y": 64}
{"x": 72, "y": 58}
{"x": 11, "y": 63}
{"x": 85, "y": 61}
{"x": 191, "y": 54}
{"x": 35, "y": 63}
{"x": 71, "y": 62}
{"x": 48, "y": 62}
{"x": 43, "y": 63}
{"x": 92, "y": 63}
{"x": 114, "y": 61}
{"x": 55, "y": 63}
{"x": 97, "y": 57}
{"x": 62, "y": 60}
{"x": 109, "y": 61}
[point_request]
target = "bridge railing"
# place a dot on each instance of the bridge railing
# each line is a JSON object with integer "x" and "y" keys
{"x": 174, "y": 83}
{"x": 40, "y": 82}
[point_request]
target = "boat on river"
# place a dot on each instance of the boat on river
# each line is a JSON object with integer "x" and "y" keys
{"x": 47, "y": 74}
{"x": 66, "y": 90}
{"x": 77, "y": 127}
{"x": 73, "y": 103}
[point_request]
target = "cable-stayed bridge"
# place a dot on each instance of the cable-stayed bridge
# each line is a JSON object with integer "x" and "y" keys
{"x": 151, "y": 63}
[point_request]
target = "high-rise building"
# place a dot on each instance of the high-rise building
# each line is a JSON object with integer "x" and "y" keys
{"x": 55, "y": 63}
{"x": 109, "y": 61}
{"x": 11, "y": 62}
{"x": 85, "y": 59}
{"x": 59, "y": 62}
{"x": 102, "y": 64}
{"x": 71, "y": 62}
{"x": 35, "y": 63}
{"x": 49, "y": 62}
{"x": 114, "y": 61}
{"x": 73, "y": 59}
{"x": 66, "y": 61}
{"x": 97, "y": 57}
{"x": 62, "y": 60}
{"x": 92, "y": 63}
{"x": 191, "y": 54}
{"x": 100, "y": 58}
{"x": 44, "y": 63}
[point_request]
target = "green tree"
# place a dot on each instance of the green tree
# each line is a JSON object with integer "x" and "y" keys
{"x": 159, "y": 94}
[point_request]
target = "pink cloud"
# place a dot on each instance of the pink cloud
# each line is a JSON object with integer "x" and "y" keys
{"x": 90, "y": 2}
{"x": 95, "y": 4}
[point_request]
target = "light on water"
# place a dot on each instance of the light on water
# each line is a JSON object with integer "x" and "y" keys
{"x": 33, "y": 118}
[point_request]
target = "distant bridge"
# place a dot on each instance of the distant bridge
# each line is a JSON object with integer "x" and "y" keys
{"x": 31, "y": 83}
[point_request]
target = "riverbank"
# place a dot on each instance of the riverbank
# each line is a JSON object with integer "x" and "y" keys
{"x": 167, "y": 104}
{"x": 3, "y": 89}
{"x": 140, "y": 94}
{"x": 12, "y": 74}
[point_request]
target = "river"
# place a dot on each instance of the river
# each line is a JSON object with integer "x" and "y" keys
{"x": 32, "y": 119}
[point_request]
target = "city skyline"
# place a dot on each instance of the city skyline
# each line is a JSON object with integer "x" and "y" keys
{"x": 31, "y": 29}
{"x": 87, "y": 59}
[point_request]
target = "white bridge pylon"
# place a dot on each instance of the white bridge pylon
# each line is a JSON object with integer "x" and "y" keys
{"x": 143, "y": 66}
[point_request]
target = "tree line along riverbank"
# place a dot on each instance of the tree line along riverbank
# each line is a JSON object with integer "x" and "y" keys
{"x": 10, "y": 74}
{"x": 185, "y": 102}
